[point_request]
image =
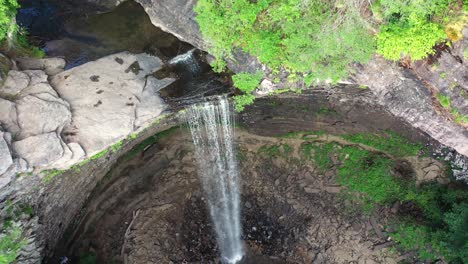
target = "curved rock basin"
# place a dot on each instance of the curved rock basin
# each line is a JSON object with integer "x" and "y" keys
{"x": 150, "y": 208}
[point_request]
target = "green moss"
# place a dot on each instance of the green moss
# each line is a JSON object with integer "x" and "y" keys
{"x": 11, "y": 242}
{"x": 276, "y": 151}
{"x": 117, "y": 146}
{"x": 446, "y": 103}
{"x": 148, "y": 142}
{"x": 51, "y": 174}
{"x": 389, "y": 142}
{"x": 319, "y": 153}
{"x": 368, "y": 174}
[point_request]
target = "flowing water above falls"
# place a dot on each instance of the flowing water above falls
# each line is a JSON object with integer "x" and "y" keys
{"x": 211, "y": 126}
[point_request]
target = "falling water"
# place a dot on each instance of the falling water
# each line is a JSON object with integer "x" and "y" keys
{"x": 211, "y": 126}
{"x": 188, "y": 61}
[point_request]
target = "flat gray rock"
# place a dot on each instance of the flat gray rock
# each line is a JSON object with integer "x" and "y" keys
{"x": 50, "y": 66}
{"x": 41, "y": 113}
{"x": 40, "y": 150}
{"x": 110, "y": 98}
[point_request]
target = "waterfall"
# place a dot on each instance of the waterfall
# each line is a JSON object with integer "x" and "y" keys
{"x": 188, "y": 61}
{"x": 211, "y": 126}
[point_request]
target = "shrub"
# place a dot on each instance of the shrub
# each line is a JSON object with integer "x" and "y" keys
{"x": 7, "y": 13}
{"x": 316, "y": 38}
{"x": 412, "y": 28}
{"x": 247, "y": 83}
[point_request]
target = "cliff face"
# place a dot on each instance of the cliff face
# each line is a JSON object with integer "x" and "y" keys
{"x": 398, "y": 90}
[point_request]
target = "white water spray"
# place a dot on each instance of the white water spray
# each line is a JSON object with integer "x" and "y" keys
{"x": 188, "y": 60}
{"x": 211, "y": 126}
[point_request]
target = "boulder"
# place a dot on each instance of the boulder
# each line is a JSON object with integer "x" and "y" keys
{"x": 151, "y": 105}
{"x": 5, "y": 66}
{"x": 41, "y": 113}
{"x": 8, "y": 116}
{"x": 110, "y": 98}
{"x": 40, "y": 150}
{"x": 5, "y": 155}
{"x": 50, "y": 66}
{"x": 15, "y": 82}
{"x": 176, "y": 17}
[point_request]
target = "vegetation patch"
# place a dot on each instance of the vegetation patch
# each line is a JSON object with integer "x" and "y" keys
{"x": 435, "y": 226}
{"x": 446, "y": 103}
{"x": 148, "y": 142}
{"x": 276, "y": 151}
{"x": 319, "y": 153}
{"x": 247, "y": 83}
{"x": 11, "y": 235}
{"x": 315, "y": 39}
{"x": 389, "y": 142}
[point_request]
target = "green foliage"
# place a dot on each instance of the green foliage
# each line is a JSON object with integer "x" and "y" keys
{"x": 241, "y": 101}
{"x": 414, "y": 237}
{"x": 411, "y": 28}
{"x": 11, "y": 237}
{"x": 11, "y": 241}
{"x": 457, "y": 233}
{"x": 276, "y": 151}
{"x": 446, "y": 103}
{"x": 7, "y": 13}
{"x": 316, "y": 38}
{"x": 51, "y": 174}
{"x": 389, "y": 142}
{"x": 319, "y": 153}
{"x": 247, "y": 83}
{"x": 444, "y": 100}
{"x": 368, "y": 175}
{"x": 117, "y": 146}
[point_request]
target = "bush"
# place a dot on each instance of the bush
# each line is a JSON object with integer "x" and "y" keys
{"x": 247, "y": 83}
{"x": 7, "y": 13}
{"x": 411, "y": 28}
{"x": 316, "y": 38}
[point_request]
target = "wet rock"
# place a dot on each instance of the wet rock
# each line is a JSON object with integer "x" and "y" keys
{"x": 50, "y": 66}
{"x": 47, "y": 149}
